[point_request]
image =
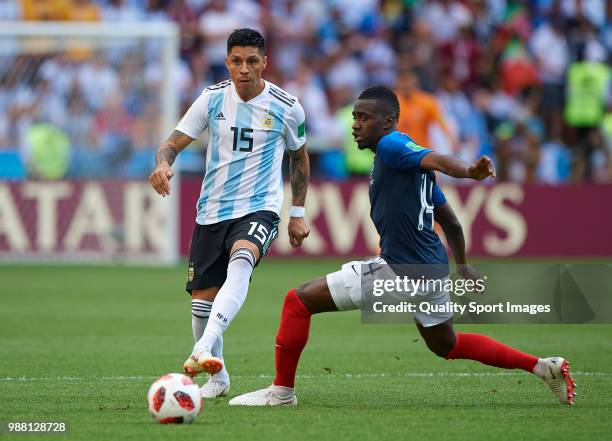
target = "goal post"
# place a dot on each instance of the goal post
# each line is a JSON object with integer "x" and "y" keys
{"x": 83, "y": 107}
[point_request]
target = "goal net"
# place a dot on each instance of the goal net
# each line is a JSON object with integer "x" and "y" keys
{"x": 82, "y": 110}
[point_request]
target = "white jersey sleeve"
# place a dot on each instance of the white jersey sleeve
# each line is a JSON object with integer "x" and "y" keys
{"x": 295, "y": 127}
{"x": 195, "y": 120}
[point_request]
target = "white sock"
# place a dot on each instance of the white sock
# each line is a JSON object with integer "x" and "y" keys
{"x": 229, "y": 300}
{"x": 200, "y": 312}
{"x": 541, "y": 368}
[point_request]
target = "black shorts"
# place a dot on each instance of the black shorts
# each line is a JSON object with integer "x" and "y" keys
{"x": 211, "y": 245}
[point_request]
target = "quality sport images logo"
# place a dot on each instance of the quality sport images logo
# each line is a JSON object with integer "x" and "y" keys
{"x": 501, "y": 293}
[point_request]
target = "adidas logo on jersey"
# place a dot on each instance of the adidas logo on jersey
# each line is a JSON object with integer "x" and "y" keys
{"x": 220, "y": 117}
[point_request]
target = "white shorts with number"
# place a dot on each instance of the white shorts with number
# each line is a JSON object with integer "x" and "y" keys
{"x": 345, "y": 287}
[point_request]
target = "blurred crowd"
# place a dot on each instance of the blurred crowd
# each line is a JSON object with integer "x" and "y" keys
{"x": 525, "y": 81}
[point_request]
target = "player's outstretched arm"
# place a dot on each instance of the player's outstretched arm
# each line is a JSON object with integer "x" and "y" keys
{"x": 164, "y": 158}
{"x": 457, "y": 168}
{"x": 299, "y": 175}
{"x": 445, "y": 217}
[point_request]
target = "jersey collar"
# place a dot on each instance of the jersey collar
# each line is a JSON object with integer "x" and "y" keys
{"x": 263, "y": 93}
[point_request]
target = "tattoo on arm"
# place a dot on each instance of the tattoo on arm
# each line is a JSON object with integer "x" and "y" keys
{"x": 299, "y": 174}
{"x": 171, "y": 147}
{"x": 166, "y": 153}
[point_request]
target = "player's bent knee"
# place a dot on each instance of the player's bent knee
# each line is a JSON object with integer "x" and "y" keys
{"x": 316, "y": 297}
{"x": 304, "y": 290}
{"x": 310, "y": 290}
{"x": 245, "y": 244}
{"x": 440, "y": 338}
{"x": 207, "y": 294}
{"x": 441, "y": 345}
{"x": 441, "y": 351}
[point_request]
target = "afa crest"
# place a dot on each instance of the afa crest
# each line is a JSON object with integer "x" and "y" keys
{"x": 268, "y": 121}
{"x": 190, "y": 272}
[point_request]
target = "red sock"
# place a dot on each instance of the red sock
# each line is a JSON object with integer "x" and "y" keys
{"x": 488, "y": 351}
{"x": 291, "y": 338}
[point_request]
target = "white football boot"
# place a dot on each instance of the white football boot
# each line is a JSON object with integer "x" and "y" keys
{"x": 555, "y": 371}
{"x": 215, "y": 387}
{"x": 203, "y": 362}
{"x": 271, "y": 396}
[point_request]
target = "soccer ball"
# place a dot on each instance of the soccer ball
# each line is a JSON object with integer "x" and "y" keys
{"x": 174, "y": 398}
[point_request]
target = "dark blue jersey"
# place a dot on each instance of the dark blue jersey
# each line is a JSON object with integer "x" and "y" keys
{"x": 402, "y": 198}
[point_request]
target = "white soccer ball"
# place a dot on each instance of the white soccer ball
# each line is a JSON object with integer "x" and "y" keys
{"x": 174, "y": 398}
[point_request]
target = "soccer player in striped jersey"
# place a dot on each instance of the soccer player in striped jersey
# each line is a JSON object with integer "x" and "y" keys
{"x": 405, "y": 199}
{"x": 251, "y": 122}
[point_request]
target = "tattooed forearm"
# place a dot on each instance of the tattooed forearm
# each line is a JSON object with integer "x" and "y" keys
{"x": 166, "y": 153}
{"x": 171, "y": 147}
{"x": 299, "y": 174}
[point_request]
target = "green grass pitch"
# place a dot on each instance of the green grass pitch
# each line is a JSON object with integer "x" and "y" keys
{"x": 83, "y": 343}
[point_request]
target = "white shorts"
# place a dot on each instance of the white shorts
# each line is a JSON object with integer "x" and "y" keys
{"x": 345, "y": 288}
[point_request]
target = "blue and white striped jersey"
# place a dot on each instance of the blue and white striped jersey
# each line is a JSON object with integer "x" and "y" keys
{"x": 245, "y": 148}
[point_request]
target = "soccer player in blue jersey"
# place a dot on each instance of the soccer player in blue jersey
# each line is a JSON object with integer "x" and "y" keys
{"x": 405, "y": 199}
{"x": 251, "y": 123}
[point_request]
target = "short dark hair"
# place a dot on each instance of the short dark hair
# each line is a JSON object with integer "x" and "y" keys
{"x": 385, "y": 98}
{"x": 246, "y": 37}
